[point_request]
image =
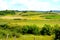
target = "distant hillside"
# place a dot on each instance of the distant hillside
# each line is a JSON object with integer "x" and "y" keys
{"x": 55, "y": 10}
{"x": 13, "y": 12}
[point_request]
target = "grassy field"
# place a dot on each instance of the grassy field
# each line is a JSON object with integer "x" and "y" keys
{"x": 39, "y": 23}
{"x": 31, "y": 18}
{"x": 32, "y": 37}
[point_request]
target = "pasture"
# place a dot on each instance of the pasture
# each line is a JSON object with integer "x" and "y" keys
{"x": 31, "y": 18}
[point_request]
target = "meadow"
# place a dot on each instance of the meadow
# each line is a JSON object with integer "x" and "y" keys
{"x": 21, "y": 18}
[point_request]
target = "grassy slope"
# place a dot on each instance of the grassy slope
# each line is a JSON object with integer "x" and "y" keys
{"x": 28, "y": 19}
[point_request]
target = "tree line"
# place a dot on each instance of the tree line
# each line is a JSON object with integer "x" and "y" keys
{"x": 5, "y": 12}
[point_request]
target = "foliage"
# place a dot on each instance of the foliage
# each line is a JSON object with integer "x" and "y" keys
{"x": 5, "y": 12}
{"x": 29, "y": 29}
{"x": 46, "y": 30}
{"x": 33, "y": 29}
{"x": 57, "y": 32}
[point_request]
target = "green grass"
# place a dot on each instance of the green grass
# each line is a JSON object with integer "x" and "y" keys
{"x": 39, "y": 23}
{"x": 31, "y": 18}
{"x": 32, "y": 37}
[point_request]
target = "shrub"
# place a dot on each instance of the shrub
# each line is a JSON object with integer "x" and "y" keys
{"x": 17, "y": 19}
{"x": 33, "y": 29}
{"x": 24, "y": 11}
{"x": 17, "y": 29}
{"x": 15, "y": 34}
{"x": 4, "y": 26}
{"x": 57, "y": 32}
{"x": 25, "y": 29}
{"x": 3, "y": 33}
{"x": 46, "y": 30}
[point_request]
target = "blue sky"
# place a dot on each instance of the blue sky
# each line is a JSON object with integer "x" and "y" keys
{"x": 30, "y": 5}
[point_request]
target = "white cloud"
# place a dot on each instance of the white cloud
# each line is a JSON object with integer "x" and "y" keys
{"x": 55, "y": 0}
{"x": 38, "y": 5}
{"x": 55, "y": 8}
{"x": 3, "y": 5}
{"x": 29, "y": 4}
{"x": 32, "y": 4}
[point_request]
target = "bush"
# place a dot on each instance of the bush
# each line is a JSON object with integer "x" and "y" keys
{"x": 4, "y": 26}
{"x": 12, "y": 31}
{"x": 57, "y": 32}
{"x": 24, "y": 11}
{"x": 33, "y": 29}
{"x": 25, "y": 29}
{"x": 46, "y": 30}
{"x": 15, "y": 34}
{"x": 3, "y": 33}
{"x": 30, "y": 29}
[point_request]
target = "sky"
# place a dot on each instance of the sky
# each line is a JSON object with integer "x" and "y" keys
{"x": 37, "y": 5}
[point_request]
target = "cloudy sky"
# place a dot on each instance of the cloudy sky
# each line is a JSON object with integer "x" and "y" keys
{"x": 30, "y": 5}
